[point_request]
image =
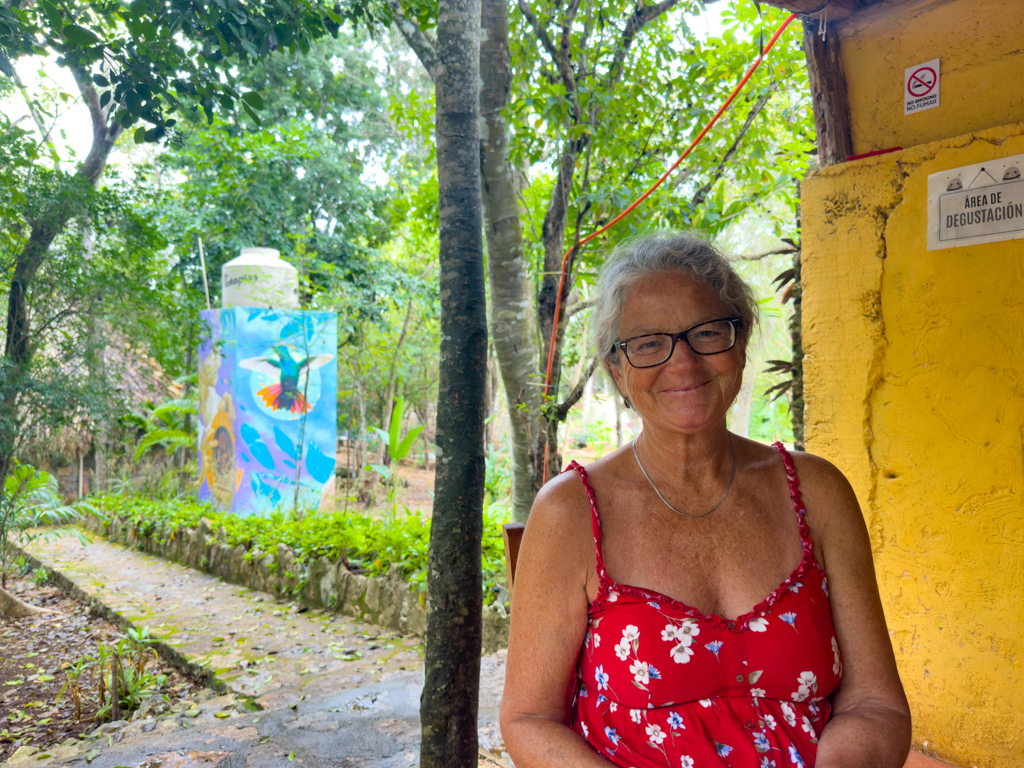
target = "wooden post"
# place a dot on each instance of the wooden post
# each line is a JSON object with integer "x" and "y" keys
{"x": 828, "y": 94}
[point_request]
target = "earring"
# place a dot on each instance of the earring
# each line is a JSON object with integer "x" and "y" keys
{"x": 626, "y": 402}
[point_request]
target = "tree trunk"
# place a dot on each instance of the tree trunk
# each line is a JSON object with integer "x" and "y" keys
{"x": 796, "y": 392}
{"x": 13, "y": 608}
{"x": 448, "y": 707}
{"x": 19, "y": 345}
{"x": 512, "y": 321}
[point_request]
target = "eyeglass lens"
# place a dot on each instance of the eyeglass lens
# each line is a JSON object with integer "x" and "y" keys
{"x": 706, "y": 339}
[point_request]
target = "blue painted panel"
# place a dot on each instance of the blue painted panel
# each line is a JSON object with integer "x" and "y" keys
{"x": 268, "y": 409}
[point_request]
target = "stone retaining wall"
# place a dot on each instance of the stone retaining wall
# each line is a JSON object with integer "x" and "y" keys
{"x": 319, "y": 583}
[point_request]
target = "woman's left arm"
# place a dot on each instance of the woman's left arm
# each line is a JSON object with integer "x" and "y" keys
{"x": 870, "y": 725}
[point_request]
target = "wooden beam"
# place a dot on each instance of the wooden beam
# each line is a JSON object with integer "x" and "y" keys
{"x": 828, "y": 94}
{"x": 834, "y": 9}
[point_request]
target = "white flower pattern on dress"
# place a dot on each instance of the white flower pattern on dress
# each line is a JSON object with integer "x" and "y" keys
{"x": 789, "y": 714}
{"x": 686, "y": 761}
{"x": 640, "y": 672}
{"x": 808, "y": 686}
{"x": 655, "y": 734}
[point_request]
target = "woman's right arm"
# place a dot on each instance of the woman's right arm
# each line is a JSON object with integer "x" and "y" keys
{"x": 549, "y": 622}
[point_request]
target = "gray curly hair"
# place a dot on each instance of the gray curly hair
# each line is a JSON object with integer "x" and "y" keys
{"x": 647, "y": 255}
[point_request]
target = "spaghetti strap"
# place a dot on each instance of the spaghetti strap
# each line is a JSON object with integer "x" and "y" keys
{"x": 798, "y": 501}
{"x": 595, "y": 521}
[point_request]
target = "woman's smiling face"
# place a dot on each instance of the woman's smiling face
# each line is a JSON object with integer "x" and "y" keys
{"x": 689, "y": 392}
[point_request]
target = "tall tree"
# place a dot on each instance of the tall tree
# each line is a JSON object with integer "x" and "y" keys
{"x": 448, "y": 708}
{"x": 513, "y": 328}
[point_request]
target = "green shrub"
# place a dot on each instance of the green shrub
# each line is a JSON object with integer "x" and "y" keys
{"x": 372, "y": 545}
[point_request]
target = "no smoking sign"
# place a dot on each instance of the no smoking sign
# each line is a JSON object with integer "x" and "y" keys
{"x": 921, "y": 87}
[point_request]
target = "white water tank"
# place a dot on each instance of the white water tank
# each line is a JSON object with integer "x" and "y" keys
{"x": 259, "y": 278}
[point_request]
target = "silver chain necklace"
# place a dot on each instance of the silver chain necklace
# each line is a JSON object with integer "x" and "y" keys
{"x": 684, "y": 514}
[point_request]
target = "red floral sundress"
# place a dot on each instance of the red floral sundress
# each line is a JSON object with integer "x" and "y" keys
{"x": 661, "y": 684}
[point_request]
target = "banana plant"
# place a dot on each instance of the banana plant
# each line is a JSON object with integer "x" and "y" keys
{"x": 168, "y": 426}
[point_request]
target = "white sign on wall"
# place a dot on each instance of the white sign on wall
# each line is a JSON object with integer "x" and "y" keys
{"x": 980, "y": 203}
{"x": 921, "y": 87}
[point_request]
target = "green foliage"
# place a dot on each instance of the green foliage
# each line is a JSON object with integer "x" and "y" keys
{"x": 169, "y": 426}
{"x": 132, "y": 681}
{"x": 371, "y": 545}
{"x": 635, "y": 115}
{"x": 162, "y": 58}
{"x": 40, "y": 577}
{"x": 30, "y": 501}
{"x": 398, "y": 446}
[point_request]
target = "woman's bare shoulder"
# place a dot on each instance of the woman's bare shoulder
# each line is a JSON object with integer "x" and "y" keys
{"x": 562, "y": 506}
{"x": 829, "y": 498}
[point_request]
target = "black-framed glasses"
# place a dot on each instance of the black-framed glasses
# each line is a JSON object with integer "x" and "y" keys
{"x": 709, "y": 338}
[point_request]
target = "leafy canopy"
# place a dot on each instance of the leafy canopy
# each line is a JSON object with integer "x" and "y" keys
{"x": 161, "y": 57}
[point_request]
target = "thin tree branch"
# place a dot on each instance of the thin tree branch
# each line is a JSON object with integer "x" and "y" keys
{"x": 104, "y": 136}
{"x": 578, "y": 307}
{"x": 641, "y": 16}
{"x": 561, "y": 410}
{"x": 702, "y": 193}
{"x": 538, "y": 30}
{"x": 37, "y": 118}
{"x": 422, "y": 43}
{"x": 765, "y": 254}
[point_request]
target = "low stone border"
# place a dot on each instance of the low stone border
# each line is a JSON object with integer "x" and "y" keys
{"x": 388, "y": 601}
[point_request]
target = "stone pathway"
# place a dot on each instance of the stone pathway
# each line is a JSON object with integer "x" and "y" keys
{"x": 330, "y": 690}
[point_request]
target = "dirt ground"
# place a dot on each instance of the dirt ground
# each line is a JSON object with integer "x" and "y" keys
{"x": 34, "y": 654}
{"x": 416, "y": 484}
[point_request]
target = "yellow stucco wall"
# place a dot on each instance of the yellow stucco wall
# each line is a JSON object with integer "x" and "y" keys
{"x": 981, "y": 47}
{"x": 914, "y": 386}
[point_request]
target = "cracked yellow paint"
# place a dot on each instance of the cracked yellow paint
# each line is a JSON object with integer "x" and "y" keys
{"x": 914, "y": 387}
{"x": 981, "y": 47}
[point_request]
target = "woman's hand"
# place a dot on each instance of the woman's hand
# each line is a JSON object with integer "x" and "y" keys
{"x": 870, "y": 725}
{"x": 549, "y": 622}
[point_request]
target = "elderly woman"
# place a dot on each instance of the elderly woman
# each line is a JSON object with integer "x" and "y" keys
{"x": 695, "y": 598}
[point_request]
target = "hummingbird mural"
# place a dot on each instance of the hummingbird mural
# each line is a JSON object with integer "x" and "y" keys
{"x": 286, "y": 394}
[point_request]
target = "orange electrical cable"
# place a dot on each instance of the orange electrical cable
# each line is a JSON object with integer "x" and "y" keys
{"x": 644, "y": 196}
